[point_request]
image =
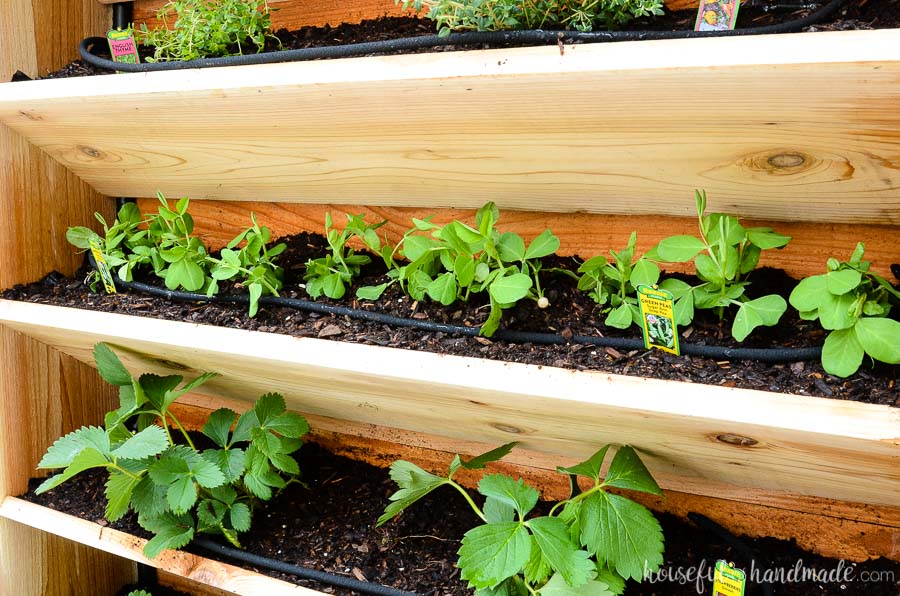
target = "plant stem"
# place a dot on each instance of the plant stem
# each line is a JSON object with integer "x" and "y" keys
{"x": 472, "y": 504}
{"x": 181, "y": 428}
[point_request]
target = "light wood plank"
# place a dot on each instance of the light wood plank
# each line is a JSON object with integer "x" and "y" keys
{"x": 437, "y": 130}
{"x": 810, "y": 446}
{"x": 583, "y": 234}
{"x": 199, "y": 569}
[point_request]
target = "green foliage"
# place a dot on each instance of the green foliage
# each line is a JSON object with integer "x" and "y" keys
{"x": 588, "y": 544}
{"x": 724, "y": 254}
{"x": 208, "y": 28}
{"x": 139, "y": 593}
{"x": 176, "y": 490}
{"x": 331, "y": 274}
{"x": 452, "y": 262}
{"x": 502, "y": 15}
{"x": 854, "y": 305}
{"x": 613, "y": 285}
{"x": 168, "y": 246}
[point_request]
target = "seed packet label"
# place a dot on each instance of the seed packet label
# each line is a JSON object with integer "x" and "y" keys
{"x": 717, "y": 15}
{"x": 728, "y": 581}
{"x": 658, "y": 319}
{"x": 102, "y": 268}
{"x": 122, "y": 46}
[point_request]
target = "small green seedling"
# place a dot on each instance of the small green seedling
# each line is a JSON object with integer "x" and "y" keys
{"x": 176, "y": 489}
{"x": 723, "y": 255}
{"x": 614, "y": 285}
{"x": 854, "y": 304}
{"x": 118, "y": 243}
{"x": 329, "y": 275}
{"x": 590, "y": 543}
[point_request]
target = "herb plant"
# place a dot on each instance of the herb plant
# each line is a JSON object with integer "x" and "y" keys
{"x": 176, "y": 489}
{"x": 614, "y": 284}
{"x": 854, "y": 304}
{"x": 724, "y": 254}
{"x": 331, "y": 274}
{"x": 500, "y": 15}
{"x": 207, "y": 28}
{"x": 588, "y": 544}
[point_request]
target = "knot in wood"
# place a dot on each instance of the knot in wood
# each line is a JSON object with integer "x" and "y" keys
{"x": 738, "y": 440}
{"x": 786, "y": 160}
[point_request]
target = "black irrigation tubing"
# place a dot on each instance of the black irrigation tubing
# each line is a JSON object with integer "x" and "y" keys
{"x": 739, "y": 546}
{"x": 773, "y": 355}
{"x": 339, "y": 581}
{"x": 534, "y": 36}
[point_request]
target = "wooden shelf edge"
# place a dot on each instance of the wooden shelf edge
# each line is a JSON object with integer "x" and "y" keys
{"x": 194, "y": 567}
{"x": 804, "y": 445}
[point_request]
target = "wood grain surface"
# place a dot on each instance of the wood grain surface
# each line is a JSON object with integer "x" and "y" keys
{"x": 437, "y": 130}
{"x": 804, "y": 445}
{"x": 582, "y": 234}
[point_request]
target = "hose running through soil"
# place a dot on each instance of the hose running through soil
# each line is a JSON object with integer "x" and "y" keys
{"x": 772, "y": 355}
{"x": 339, "y": 581}
{"x": 534, "y": 36}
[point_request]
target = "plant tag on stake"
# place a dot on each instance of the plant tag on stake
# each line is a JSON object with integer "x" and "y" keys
{"x": 105, "y": 276}
{"x": 658, "y": 319}
{"x": 727, "y": 580}
{"x": 122, "y": 46}
{"x": 717, "y": 15}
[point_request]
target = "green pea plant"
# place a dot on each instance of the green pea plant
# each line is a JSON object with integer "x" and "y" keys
{"x": 451, "y": 262}
{"x": 178, "y": 257}
{"x": 330, "y": 274}
{"x": 501, "y": 15}
{"x": 724, "y": 254}
{"x": 613, "y": 285}
{"x": 176, "y": 489}
{"x": 208, "y": 28}
{"x": 854, "y": 305}
{"x": 118, "y": 243}
{"x": 590, "y": 543}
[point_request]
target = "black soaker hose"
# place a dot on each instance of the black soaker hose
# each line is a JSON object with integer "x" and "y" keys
{"x": 715, "y": 352}
{"x": 740, "y": 547}
{"x": 339, "y": 581}
{"x": 535, "y": 36}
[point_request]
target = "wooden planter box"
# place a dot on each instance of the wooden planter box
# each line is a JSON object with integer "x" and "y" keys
{"x": 581, "y": 141}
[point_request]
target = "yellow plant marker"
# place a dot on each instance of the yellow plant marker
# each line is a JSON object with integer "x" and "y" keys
{"x": 105, "y": 276}
{"x": 728, "y": 581}
{"x": 658, "y": 319}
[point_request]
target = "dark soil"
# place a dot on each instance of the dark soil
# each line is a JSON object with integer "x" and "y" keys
{"x": 571, "y": 312}
{"x": 330, "y": 527}
{"x": 857, "y": 14}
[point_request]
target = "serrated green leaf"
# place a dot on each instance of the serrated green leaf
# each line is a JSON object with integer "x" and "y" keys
{"x": 544, "y": 245}
{"x": 218, "y": 426}
{"x": 285, "y": 463}
{"x": 515, "y": 493}
{"x": 110, "y": 367}
{"x": 206, "y": 473}
{"x": 480, "y": 461}
{"x": 513, "y": 586}
{"x": 85, "y": 460}
{"x": 842, "y": 281}
{"x": 628, "y": 471}
{"x": 615, "y": 583}
{"x": 149, "y": 498}
{"x": 766, "y": 310}
{"x": 257, "y": 486}
{"x": 245, "y": 424}
{"x": 269, "y": 406}
{"x": 150, "y": 441}
{"x": 880, "y": 338}
{"x": 621, "y": 533}
{"x": 210, "y": 514}
{"x": 172, "y": 532}
{"x": 66, "y": 448}
{"x": 155, "y": 388}
{"x": 494, "y": 552}
{"x": 589, "y": 467}
{"x": 119, "y": 488}
{"x": 181, "y": 494}
{"x": 569, "y": 561}
{"x": 231, "y": 462}
{"x": 240, "y": 517}
{"x": 265, "y": 441}
{"x": 538, "y": 569}
{"x": 557, "y": 586}
{"x": 414, "y": 483}
{"x": 174, "y": 393}
{"x": 679, "y": 249}
{"x": 289, "y": 424}
{"x": 496, "y": 510}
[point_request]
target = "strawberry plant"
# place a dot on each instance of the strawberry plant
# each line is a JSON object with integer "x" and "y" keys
{"x": 613, "y": 285}
{"x": 176, "y": 489}
{"x": 724, "y": 254}
{"x": 331, "y": 274}
{"x": 591, "y": 543}
{"x": 854, "y": 304}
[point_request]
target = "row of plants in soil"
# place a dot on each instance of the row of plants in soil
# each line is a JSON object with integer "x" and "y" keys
{"x": 461, "y": 262}
{"x": 590, "y": 543}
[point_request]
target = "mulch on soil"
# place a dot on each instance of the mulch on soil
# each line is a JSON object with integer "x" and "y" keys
{"x": 859, "y": 14}
{"x": 571, "y": 312}
{"x": 330, "y": 527}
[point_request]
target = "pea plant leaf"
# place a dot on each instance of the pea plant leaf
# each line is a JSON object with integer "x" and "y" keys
{"x": 766, "y": 310}
{"x": 880, "y": 338}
